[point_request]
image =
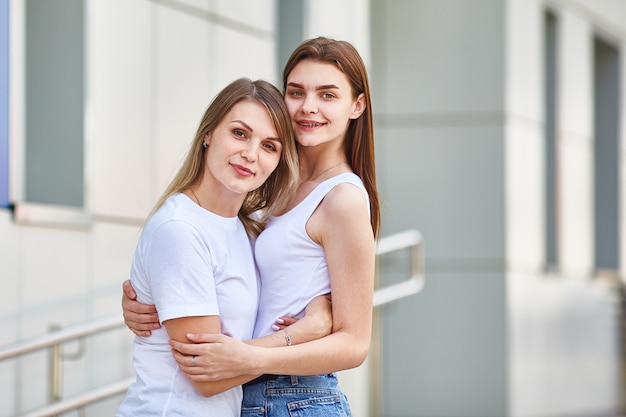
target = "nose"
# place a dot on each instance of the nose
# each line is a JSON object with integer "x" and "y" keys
{"x": 309, "y": 106}
{"x": 250, "y": 153}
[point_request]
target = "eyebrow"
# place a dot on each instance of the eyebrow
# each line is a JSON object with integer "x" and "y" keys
{"x": 244, "y": 124}
{"x": 247, "y": 126}
{"x": 319, "y": 87}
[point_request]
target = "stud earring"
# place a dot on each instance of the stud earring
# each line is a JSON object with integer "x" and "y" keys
{"x": 205, "y": 145}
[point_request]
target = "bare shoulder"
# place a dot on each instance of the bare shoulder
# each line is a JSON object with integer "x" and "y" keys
{"x": 342, "y": 214}
{"x": 344, "y": 198}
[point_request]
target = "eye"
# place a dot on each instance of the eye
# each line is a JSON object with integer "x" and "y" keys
{"x": 295, "y": 93}
{"x": 239, "y": 133}
{"x": 270, "y": 146}
{"x": 328, "y": 95}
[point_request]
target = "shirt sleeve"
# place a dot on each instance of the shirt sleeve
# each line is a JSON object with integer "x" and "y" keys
{"x": 180, "y": 271}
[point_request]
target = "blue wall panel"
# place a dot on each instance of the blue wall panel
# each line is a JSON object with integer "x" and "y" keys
{"x": 4, "y": 103}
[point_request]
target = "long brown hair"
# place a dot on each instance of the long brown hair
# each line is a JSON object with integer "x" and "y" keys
{"x": 359, "y": 139}
{"x": 276, "y": 193}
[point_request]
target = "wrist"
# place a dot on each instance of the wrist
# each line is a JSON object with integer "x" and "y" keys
{"x": 256, "y": 361}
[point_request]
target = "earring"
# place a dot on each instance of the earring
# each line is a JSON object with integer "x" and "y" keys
{"x": 205, "y": 145}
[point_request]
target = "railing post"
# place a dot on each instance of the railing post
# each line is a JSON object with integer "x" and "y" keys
{"x": 417, "y": 258}
{"x": 56, "y": 368}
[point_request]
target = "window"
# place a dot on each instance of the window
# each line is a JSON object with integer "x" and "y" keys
{"x": 551, "y": 188}
{"x": 606, "y": 154}
{"x": 54, "y": 151}
{"x": 290, "y": 23}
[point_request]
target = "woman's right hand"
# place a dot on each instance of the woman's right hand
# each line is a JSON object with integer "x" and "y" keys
{"x": 140, "y": 318}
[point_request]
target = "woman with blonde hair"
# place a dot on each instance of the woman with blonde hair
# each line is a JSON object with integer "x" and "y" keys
{"x": 194, "y": 258}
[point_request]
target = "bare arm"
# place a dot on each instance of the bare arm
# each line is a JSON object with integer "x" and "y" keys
{"x": 178, "y": 328}
{"x": 142, "y": 318}
{"x": 341, "y": 225}
{"x": 316, "y": 323}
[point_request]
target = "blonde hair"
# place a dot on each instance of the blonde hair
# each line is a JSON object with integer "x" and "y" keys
{"x": 276, "y": 193}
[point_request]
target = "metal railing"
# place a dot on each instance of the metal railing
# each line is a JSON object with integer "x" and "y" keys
{"x": 413, "y": 241}
{"x": 53, "y": 342}
{"x": 410, "y": 239}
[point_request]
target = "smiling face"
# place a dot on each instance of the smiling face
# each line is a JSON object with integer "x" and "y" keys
{"x": 244, "y": 149}
{"x": 320, "y": 102}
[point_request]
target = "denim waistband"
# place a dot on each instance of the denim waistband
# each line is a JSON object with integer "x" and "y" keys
{"x": 262, "y": 378}
{"x": 292, "y": 379}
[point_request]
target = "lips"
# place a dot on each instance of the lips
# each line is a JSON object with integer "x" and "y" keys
{"x": 309, "y": 123}
{"x": 241, "y": 170}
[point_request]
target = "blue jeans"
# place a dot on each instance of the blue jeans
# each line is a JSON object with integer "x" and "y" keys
{"x": 295, "y": 396}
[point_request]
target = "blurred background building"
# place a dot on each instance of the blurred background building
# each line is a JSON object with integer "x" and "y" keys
{"x": 500, "y": 137}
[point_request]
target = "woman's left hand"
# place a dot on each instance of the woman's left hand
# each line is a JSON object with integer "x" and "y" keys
{"x": 217, "y": 357}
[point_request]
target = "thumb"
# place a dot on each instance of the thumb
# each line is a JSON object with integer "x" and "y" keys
{"x": 204, "y": 337}
{"x": 128, "y": 290}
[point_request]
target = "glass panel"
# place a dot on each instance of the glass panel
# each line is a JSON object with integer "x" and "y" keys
{"x": 550, "y": 149}
{"x": 290, "y": 31}
{"x": 606, "y": 163}
{"x": 54, "y": 102}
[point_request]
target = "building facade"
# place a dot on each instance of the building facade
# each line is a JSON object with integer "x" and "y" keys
{"x": 500, "y": 137}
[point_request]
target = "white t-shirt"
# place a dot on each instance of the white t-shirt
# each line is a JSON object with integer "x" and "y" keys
{"x": 189, "y": 262}
{"x": 292, "y": 266}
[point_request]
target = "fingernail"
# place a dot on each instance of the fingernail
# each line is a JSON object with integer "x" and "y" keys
{"x": 275, "y": 327}
{"x": 280, "y": 321}
{"x": 157, "y": 326}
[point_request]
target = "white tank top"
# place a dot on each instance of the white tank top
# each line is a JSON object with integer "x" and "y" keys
{"x": 292, "y": 266}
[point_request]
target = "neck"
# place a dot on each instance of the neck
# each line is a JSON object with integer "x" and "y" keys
{"x": 314, "y": 159}
{"x": 225, "y": 206}
{"x": 317, "y": 173}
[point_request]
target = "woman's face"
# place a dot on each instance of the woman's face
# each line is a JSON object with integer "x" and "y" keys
{"x": 244, "y": 149}
{"x": 319, "y": 98}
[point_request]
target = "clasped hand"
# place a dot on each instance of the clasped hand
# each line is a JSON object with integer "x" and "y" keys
{"x": 217, "y": 357}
